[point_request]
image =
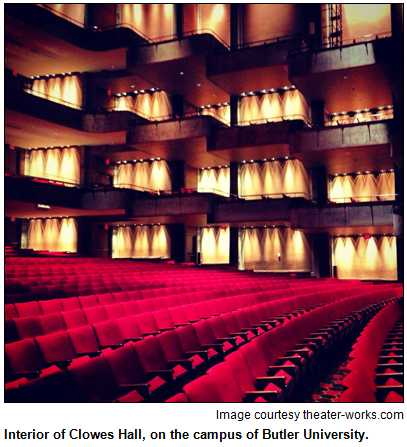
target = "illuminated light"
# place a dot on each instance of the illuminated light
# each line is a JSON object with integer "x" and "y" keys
{"x": 136, "y": 91}
{"x": 344, "y": 173}
{"x": 265, "y": 226}
{"x": 391, "y": 170}
{"x": 124, "y": 94}
{"x": 220, "y": 166}
{"x": 225, "y": 103}
{"x": 244, "y": 227}
{"x": 273, "y": 159}
{"x": 106, "y": 227}
{"x": 69, "y": 72}
{"x": 252, "y": 227}
{"x": 125, "y": 162}
{"x": 367, "y": 172}
{"x": 13, "y": 219}
{"x": 286, "y": 158}
{"x": 152, "y": 159}
{"x": 119, "y": 94}
{"x": 153, "y": 89}
{"x": 251, "y": 161}
{"x": 141, "y": 159}
{"x": 202, "y": 168}
{"x": 118, "y": 162}
{"x": 135, "y": 161}
{"x": 264, "y": 159}
{"x": 382, "y": 170}
{"x": 226, "y": 166}
{"x": 107, "y": 162}
{"x": 32, "y": 77}
{"x": 43, "y": 207}
{"x": 158, "y": 158}
{"x": 11, "y": 146}
{"x": 243, "y": 94}
{"x": 336, "y": 175}
{"x": 141, "y": 224}
{"x": 251, "y": 93}
{"x": 223, "y": 228}
{"x": 141, "y": 91}
{"x": 181, "y": 73}
{"x": 367, "y": 236}
{"x": 198, "y": 85}
{"x": 158, "y": 224}
{"x": 358, "y": 172}
{"x": 244, "y": 161}
{"x": 264, "y": 91}
{"x": 345, "y": 77}
{"x": 274, "y": 226}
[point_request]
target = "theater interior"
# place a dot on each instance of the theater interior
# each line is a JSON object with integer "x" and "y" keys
{"x": 203, "y": 202}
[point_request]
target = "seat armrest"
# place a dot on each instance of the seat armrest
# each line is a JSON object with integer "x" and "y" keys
{"x": 398, "y": 367}
{"x": 186, "y": 363}
{"x": 302, "y": 352}
{"x": 240, "y": 334}
{"x": 293, "y": 359}
{"x": 165, "y": 374}
{"x": 317, "y": 341}
{"x": 289, "y": 369}
{"x": 262, "y": 382}
{"x": 232, "y": 340}
{"x": 250, "y": 329}
{"x": 63, "y": 364}
{"x": 311, "y": 345}
{"x": 269, "y": 396}
{"x": 202, "y": 354}
{"x": 142, "y": 388}
{"x": 218, "y": 347}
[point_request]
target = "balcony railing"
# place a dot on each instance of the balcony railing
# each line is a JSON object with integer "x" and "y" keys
{"x": 275, "y": 119}
{"x": 360, "y": 199}
{"x": 345, "y": 43}
{"x": 271, "y": 196}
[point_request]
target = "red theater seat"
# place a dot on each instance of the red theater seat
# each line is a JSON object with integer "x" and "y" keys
{"x": 27, "y": 327}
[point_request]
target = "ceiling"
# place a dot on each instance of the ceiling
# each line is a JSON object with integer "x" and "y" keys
{"x": 349, "y": 160}
{"x": 30, "y": 53}
{"x": 27, "y": 131}
{"x": 347, "y": 90}
{"x": 25, "y": 210}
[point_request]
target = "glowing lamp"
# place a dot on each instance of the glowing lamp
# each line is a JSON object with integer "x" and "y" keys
{"x": 367, "y": 236}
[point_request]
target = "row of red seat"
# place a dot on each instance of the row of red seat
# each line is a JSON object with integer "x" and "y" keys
{"x": 273, "y": 367}
{"x": 163, "y": 296}
{"x": 376, "y": 362}
{"x": 67, "y": 345}
{"x": 43, "y": 317}
{"x": 58, "y": 347}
